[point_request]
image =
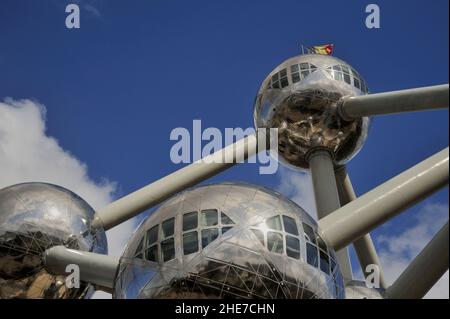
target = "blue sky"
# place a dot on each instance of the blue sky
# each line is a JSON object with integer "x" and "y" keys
{"x": 116, "y": 87}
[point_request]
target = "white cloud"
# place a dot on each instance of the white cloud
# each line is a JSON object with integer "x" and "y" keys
{"x": 398, "y": 250}
{"x": 28, "y": 154}
{"x": 298, "y": 187}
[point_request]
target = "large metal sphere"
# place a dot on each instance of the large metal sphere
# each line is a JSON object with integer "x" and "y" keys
{"x": 358, "y": 290}
{"x": 34, "y": 217}
{"x": 228, "y": 241}
{"x": 300, "y": 98}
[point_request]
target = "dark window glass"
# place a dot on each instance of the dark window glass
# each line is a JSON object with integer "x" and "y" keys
{"x": 260, "y": 235}
{"x": 356, "y": 82}
{"x": 290, "y": 225}
{"x": 294, "y": 68}
{"x": 313, "y": 67}
{"x": 152, "y": 235}
{"x": 225, "y": 229}
{"x": 190, "y": 242}
{"x": 311, "y": 255}
{"x": 284, "y": 82}
{"x": 305, "y": 73}
{"x": 321, "y": 243}
{"x": 337, "y": 67}
{"x": 333, "y": 265}
{"x": 209, "y": 217}
{"x": 275, "y": 77}
{"x": 324, "y": 262}
{"x": 309, "y": 232}
{"x": 347, "y": 78}
{"x": 295, "y": 77}
{"x": 275, "y": 242}
{"x": 209, "y": 235}
{"x": 345, "y": 69}
{"x": 225, "y": 219}
{"x": 293, "y": 247}
{"x": 304, "y": 66}
{"x": 276, "y": 85}
{"x": 190, "y": 221}
{"x": 283, "y": 73}
{"x": 167, "y": 228}
{"x": 139, "y": 256}
{"x": 274, "y": 223}
{"x": 364, "y": 87}
{"x": 139, "y": 247}
{"x": 152, "y": 253}
{"x": 168, "y": 249}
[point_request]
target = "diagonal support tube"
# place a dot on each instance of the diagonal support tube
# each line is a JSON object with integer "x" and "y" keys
{"x": 364, "y": 247}
{"x": 359, "y": 217}
{"x": 327, "y": 197}
{"x": 155, "y": 193}
{"x": 411, "y": 100}
{"x": 424, "y": 271}
{"x": 94, "y": 268}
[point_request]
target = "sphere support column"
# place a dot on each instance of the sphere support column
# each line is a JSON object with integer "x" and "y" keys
{"x": 327, "y": 197}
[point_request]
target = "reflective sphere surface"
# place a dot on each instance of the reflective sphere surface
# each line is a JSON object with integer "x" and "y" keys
{"x": 34, "y": 217}
{"x": 228, "y": 241}
{"x": 300, "y": 98}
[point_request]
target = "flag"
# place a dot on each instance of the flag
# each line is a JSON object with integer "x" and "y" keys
{"x": 326, "y": 49}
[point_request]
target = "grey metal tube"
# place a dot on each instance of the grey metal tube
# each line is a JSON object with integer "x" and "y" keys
{"x": 153, "y": 194}
{"x": 364, "y": 247}
{"x": 94, "y": 268}
{"x": 424, "y": 271}
{"x": 411, "y": 100}
{"x": 372, "y": 209}
{"x": 327, "y": 197}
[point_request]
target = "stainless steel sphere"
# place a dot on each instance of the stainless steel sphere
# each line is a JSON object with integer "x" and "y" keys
{"x": 34, "y": 217}
{"x": 358, "y": 290}
{"x": 300, "y": 98}
{"x": 228, "y": 241}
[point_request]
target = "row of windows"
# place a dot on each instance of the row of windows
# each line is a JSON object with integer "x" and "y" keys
{"x": 302, "y": 70}
{"x": 275, "y": 233}
{"x": 299, "y": 71}
{"x": 345, "y": 74}
{"x": 274, "y": 238}
{"x": 160, "y": 243}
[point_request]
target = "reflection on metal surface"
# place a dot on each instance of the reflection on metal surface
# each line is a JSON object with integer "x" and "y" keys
{"x": 228, "y": 241}
{"x": 358, "y": 290}
{"x": 34, "y": 217}
{"x": 304, "y": 109}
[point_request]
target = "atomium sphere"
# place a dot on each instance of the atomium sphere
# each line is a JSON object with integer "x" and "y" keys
{"x": 33, "y": 218}
{"x": 356, "y": 289}
{"x": 228, "y": 241}
{"x": 300, "y": 99}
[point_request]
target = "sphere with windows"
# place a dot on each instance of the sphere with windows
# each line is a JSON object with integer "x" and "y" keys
{"x": 300, "y": 98}
{"x": 228, "y": 241}
{"x": 33, "y": 218}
